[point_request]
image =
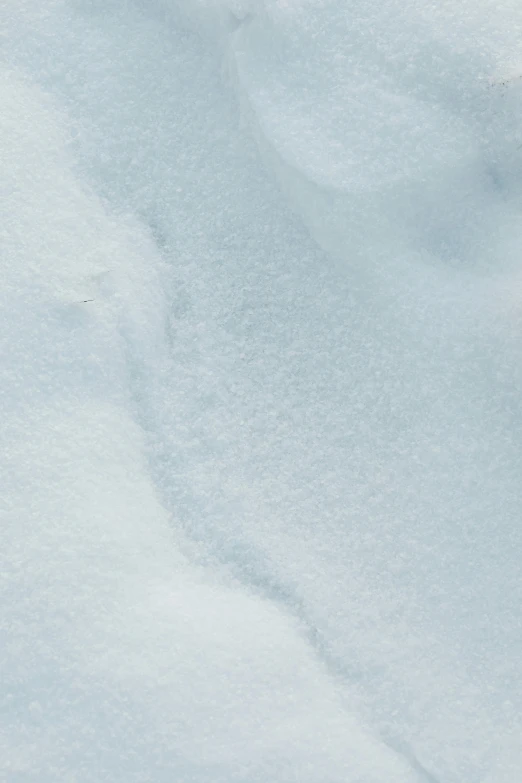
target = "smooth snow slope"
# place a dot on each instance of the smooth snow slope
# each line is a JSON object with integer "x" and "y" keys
{"x": 261, "y": 498}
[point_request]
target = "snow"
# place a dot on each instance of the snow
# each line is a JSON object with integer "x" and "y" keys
{"x": 261, "y": 496}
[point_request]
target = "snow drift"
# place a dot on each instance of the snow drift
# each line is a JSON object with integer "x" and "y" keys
{"x": 261, "y": 375}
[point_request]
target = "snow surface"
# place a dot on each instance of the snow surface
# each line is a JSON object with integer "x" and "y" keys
{"x": 262, "y": 497}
